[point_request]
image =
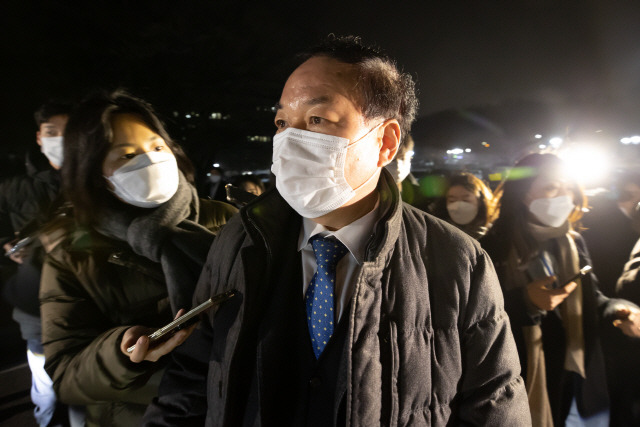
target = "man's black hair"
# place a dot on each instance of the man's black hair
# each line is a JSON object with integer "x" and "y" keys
{"x": 51, "y": 108}
{"x": 385, "y": 91}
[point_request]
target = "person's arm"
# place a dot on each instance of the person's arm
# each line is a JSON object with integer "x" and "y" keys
{"x": 628, "y": 286}
{"x": 182, "y": 396}
{"x": 82, "y": 348}
{"x": 492, "y": 390}
{"x": 619, "y": 312}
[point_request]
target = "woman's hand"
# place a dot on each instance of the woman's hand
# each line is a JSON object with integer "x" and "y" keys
{"x": 546, "y": 298}
{"x": 138, "y": 335}
{"x": 628, "y": 320}
{"x": 16, "y": 257}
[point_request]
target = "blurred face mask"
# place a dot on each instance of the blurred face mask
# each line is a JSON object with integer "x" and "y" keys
{"x": 148, "y": 180}
{"x": 309, "y": 170}
{"x": 399, "y": 168}
{"x": 462, "y": 212}
{"x": 552, "y": 212}
{"x": 53, "y": 149}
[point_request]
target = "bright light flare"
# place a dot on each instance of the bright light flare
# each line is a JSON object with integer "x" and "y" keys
{"x": 555, "y": 142}
{"x": 589, "y": 165}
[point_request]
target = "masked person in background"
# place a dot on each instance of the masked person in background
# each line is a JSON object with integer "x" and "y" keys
{"x": 555, "y": 320}
{"x": 400, "y": 169}
{"x": 128, "y": 258}
{"x": 468, "y": 204}
{"x": 353, "y": 308}
{"x": 26, "y": 203}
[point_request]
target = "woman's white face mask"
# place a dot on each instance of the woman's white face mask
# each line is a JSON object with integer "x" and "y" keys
{"x": 552, "y": 212}
{"x": 309, "y": 170}
{"x": 462, "y": 212}
{"x": 147, "y": 180}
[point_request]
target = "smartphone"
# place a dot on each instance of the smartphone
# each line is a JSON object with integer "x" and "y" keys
{"x": 186, "y": 319}
{"x": 237, "y": 195}
{"x": 584, "y": 270}
{"x": 21, "y": 244}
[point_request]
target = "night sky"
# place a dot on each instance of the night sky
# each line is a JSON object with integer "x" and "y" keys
{"x": 486, "y": 69}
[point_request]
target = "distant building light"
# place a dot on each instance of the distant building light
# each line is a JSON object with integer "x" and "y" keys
{"x": 188, "y": 116}
{"x": 215, "y": 116}
{"x": 467, "y": 150}
{"x": 455, "y": 151}
{"x": 216, "y": 165}
{"x": 259, "y": 138}
{"x": 176, "y": 114}
{"x": 247, "y": 173}
{"x": 538, "y": 136}
{"x": 485, "y": 144}
{"x": 542, "y": 146}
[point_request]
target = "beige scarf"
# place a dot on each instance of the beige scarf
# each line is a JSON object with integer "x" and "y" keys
{"x": 570, "y": 310}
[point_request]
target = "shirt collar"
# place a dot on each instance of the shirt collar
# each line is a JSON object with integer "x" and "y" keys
{"x": 354, "y": 236}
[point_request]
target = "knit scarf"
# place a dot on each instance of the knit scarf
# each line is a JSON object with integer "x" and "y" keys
{"x": 169, "y": 235}
{"x": 570, "y": 311}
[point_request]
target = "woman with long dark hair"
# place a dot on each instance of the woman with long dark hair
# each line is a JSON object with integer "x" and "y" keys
{"x": 555, "y": 318}
{"x": 128, "y": 258}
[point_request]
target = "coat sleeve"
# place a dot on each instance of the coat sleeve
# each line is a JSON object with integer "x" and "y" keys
{"x": 182, "y": 397}
{"x": 7, "y": 233}
{"x": 492, "y": 390}
{"x": 628, "y": 285}
{"x": 83, "y": 356}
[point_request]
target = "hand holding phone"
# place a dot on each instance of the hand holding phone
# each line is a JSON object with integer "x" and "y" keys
{"x": 186, "y": 320}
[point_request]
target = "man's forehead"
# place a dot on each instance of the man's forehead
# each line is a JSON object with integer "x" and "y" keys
{"x": 319, "y": 81}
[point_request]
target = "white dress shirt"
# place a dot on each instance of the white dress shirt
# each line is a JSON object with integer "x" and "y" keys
{"x": 354, "y": 236}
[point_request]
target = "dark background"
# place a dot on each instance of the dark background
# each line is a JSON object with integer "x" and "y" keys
{"x": 496, "y": 72}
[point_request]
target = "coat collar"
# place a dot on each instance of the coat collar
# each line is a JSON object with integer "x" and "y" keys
{"x": 269, "y": 220}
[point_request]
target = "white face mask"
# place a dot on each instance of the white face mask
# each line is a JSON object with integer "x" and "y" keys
{"x": 147, "y": 180}
{"x": 309, "y": 168}
{"x": 399, "y": 168}
{"x": 462, "y": 212}
{"x": 552, "y": 212}
{"x": 53, "y": 148}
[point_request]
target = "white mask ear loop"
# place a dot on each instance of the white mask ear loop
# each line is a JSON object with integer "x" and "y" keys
{"x": 357, "y": 141}
{"x": 377, "y": 168}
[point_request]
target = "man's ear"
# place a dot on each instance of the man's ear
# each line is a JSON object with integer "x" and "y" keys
{"x": 390, "y": 142}
{"x": 38, "y": 138}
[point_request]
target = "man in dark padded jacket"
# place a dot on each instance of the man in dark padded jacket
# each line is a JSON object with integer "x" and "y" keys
{"x": 26, "y": 203}
{"x": 351, "y": 307}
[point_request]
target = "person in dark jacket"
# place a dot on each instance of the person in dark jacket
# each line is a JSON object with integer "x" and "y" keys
{"x": 26, "y": 203}
{"x": 126, "y": 262}
{"x": 624, "y": 368}
{"x": 400, "y": 169}
{"x": 351, "y": 307}
{"x": 609, "y": 230}
{"x": 555, "y": 319}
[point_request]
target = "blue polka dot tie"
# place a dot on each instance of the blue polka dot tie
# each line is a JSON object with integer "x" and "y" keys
{"x": 319, "y": 296}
